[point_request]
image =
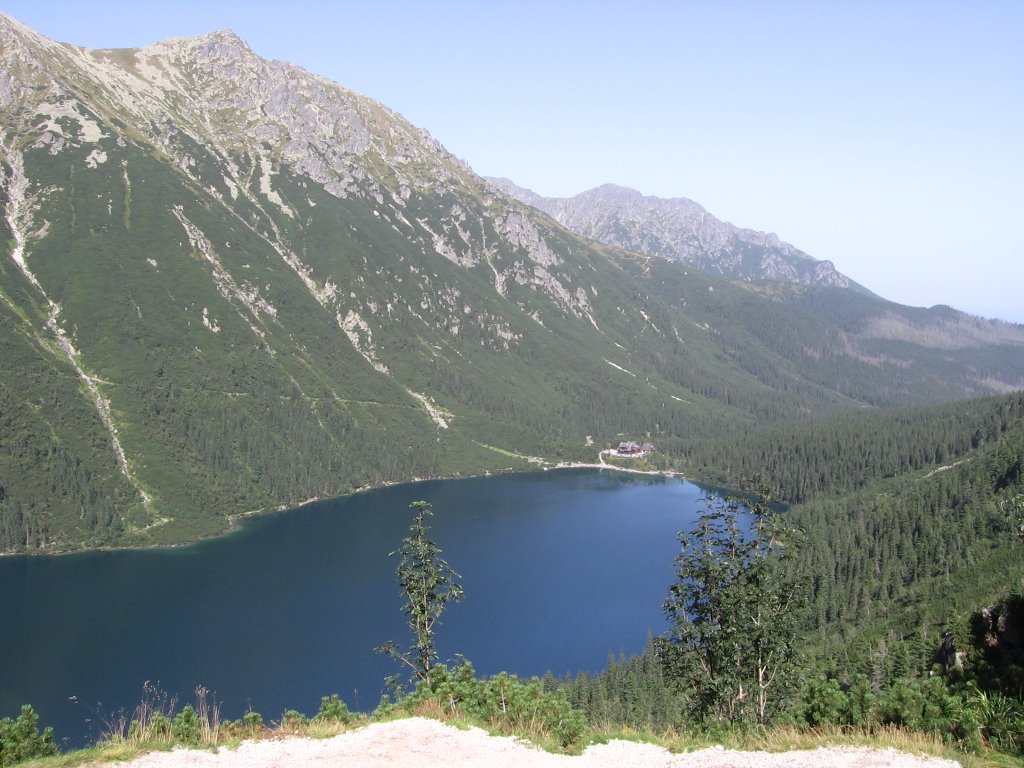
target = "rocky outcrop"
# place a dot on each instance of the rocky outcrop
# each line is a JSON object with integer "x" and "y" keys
{"x": 999, "y": 634}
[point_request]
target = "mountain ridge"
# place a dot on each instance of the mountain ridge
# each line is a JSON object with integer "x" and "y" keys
{"x": 681, "y": 229}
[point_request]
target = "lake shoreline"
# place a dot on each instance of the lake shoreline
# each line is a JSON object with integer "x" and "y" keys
{"x": 233, "y": 520}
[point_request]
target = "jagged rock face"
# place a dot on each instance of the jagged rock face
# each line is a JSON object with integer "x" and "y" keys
{"x": 217, "y": 91}
{"x": 999, "y": 635}
{"x": 680, "y": 229}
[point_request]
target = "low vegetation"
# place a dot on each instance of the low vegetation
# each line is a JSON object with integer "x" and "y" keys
{"x": 503, "y": 705}
{"x": 20, "y": 738}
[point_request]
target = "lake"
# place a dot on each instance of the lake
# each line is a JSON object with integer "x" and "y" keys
{"x": 560, "y": 570}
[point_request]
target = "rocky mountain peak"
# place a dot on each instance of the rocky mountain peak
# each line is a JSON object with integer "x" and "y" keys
{"x": 220, "y": 54}
{"x": 224, "y": 38}
{"x": 12, "y": 31}
{"x": 22, "y": 57}
{"x": 618, "y": 194}
{"x": 220, "y": 94}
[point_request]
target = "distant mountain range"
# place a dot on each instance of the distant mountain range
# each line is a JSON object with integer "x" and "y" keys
{"x": 227, "y": 284}
{"x": 682, "y": 230}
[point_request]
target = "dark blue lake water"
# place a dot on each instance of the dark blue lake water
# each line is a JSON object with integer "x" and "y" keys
{"x": 560, "y": 569}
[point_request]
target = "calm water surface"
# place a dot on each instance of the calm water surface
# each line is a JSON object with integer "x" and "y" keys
{"x": 560, "y": 569}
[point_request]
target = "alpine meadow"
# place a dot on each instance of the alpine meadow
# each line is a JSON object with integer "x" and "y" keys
{"x": 229, "y": 286}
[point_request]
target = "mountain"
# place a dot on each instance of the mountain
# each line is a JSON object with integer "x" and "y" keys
{"x": 680, "y": 229}
{"x": 228, "y": 285}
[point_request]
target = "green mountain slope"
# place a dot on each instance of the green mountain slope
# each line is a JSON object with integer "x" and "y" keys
{"x": 227, "y": 285}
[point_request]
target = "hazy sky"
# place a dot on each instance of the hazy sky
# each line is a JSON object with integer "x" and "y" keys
{"x": 887, "y": 137}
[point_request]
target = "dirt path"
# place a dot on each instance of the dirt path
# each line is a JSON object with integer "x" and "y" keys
{"x": 422, "y": 743}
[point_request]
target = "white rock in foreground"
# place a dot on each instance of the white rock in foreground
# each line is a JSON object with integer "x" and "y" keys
{"x": 422, "y": 743}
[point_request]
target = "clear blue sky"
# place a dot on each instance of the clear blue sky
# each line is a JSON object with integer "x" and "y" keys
{"x": 887, "y": 136}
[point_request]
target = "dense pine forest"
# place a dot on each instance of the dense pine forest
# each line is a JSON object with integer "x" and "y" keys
{"x": 912, "y": 565}
{"x": 807, "y": 460}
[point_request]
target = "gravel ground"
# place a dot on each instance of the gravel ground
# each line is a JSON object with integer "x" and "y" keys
{"x": 422, "y": 743}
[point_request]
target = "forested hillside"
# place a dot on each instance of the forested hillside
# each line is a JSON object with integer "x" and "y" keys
{"x": 912, "y": 554}
{"x": 912, "y": 517}
{"x": 907, "y": 587}
{"x": 834, "y": 456}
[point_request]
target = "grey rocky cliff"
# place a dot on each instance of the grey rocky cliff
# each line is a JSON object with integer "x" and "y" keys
{"x": 682, "y": 230}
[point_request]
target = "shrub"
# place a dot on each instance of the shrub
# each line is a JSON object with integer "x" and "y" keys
{"x": 334, "y": 710}
{"x": 859, "y": 709}
{"x": 186, "y": 727}
{"x": 921, "y": 704}
{"x": 504, "y": 700}
{"x": 823, "y": 702}
{"x": 1000, "y": 719}
{"x": 156, "y": 725}
{"x": 252, "y": 722}
{"x": 293, "y": 720}
{"x": 249, "y": 726}
{"x": 20, "y": 738}
{"x": 926, "y": 705}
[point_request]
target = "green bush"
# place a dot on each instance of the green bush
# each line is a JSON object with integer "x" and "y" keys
{"x": 823, "y": 702}
{"x": 1000, "y": 719}
{"x": 252, "y": 722}
{"x": 249, "y": 726}
{"x": 20, "y": 738}
{"x": 293, "y": 720}
{"x": 921, "y": 704}
{"x": 927, "y": 705}
{"x": 153, "y": 725}
{"x": 334, "y": 710}
{"x": 187, "y": 727}
{"x": 522, "y": 706}
{"x": 859, "y": 707}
